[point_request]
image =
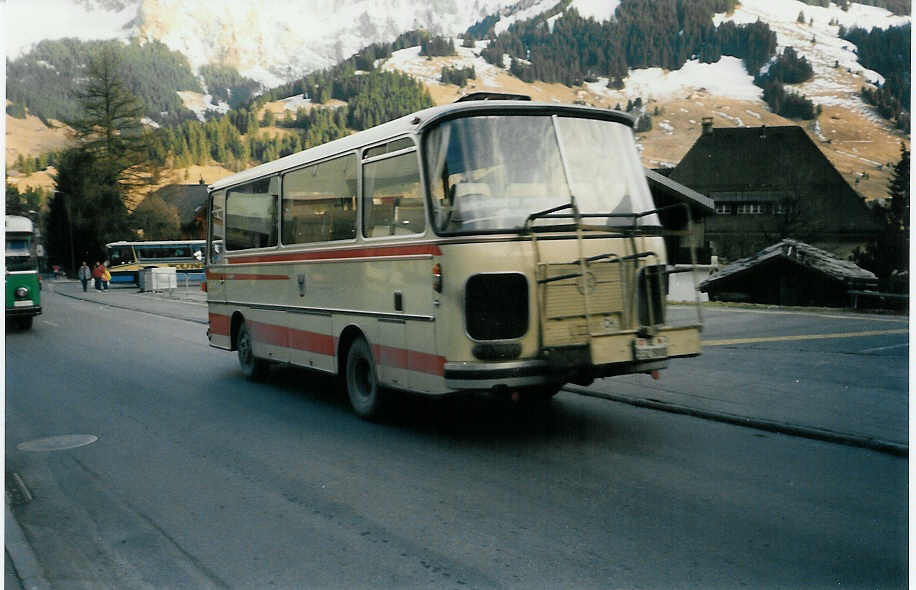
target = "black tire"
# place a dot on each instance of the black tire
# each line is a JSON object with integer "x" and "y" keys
{"x": 541, "y": 394}
{"x": 361, "y": 381}
{"x": 254, "y": 368}
{"x": 24, "y": 323}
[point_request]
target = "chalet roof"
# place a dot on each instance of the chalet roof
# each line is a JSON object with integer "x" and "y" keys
{"x": 735, "y": 159}
{"x": 699, "y": 204}
{"x": 800, "y": 253}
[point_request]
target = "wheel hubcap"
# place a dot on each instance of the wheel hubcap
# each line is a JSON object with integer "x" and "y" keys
{"x": 244, "y": 349}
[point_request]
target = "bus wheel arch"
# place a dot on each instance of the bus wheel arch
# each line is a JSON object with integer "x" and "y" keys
{"x": 235, "y": 323}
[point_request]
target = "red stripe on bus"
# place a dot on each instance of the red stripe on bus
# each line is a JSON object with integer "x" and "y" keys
{"x": 373, "y": 252}
{"x": 219, "y": 324}
{"x": 423, "y": 362}
{"x": 390, "y": 356}
{"x": 399, "y": 358}
{"x": 270, "y": 334}
{"x": 411, "y": 360}
{"x": 220, "y": 276}
{"x": 312, "y": 342}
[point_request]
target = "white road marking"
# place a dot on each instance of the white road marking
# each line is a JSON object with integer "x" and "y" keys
{"x": 868, "y": 350}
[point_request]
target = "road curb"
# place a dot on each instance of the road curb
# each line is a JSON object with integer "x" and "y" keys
{"x": 22, "y": 555}
{"x": 134, "y": 308}
{"x": 822, "y": 434}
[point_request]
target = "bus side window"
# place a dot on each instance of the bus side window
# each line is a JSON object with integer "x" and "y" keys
{"x": 251, "y": 216}
{"x": 392, "y": 197}
{"x": 319, "y": 202}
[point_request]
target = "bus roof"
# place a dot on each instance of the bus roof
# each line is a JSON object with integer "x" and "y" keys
{"x": 18, "y": 224}
{"x": 415, "y": 123}
{"x": 155, "y": 243}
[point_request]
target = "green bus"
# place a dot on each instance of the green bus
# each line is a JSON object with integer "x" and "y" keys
{"x": 23, "y": 286}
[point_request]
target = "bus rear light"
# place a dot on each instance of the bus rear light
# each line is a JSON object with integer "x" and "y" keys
{"x": 437, "y": 278}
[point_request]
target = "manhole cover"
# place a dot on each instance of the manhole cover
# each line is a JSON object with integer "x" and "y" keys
{"x": 57, "y": 443}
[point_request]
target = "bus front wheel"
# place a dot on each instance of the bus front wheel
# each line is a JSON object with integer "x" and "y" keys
{"x": 362, "y": 381}
{"x": 254, "y": 368}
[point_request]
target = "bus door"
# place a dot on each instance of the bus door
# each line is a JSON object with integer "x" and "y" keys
{"x": 393, "y": 205}
{"x": 216, "y": 274}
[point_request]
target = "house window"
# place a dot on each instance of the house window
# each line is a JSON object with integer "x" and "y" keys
{"x": 779, "y": 209}
{"x": 723, "y": 209}
{"x": 750, "y": 209}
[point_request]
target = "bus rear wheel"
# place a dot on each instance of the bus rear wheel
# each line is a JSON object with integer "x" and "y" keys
{"x": 24, "y": 323}
{"x": 254, "y": 368}
{"x": 362, "y": 381}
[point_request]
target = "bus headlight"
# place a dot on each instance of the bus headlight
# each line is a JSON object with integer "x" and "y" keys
{"x": 21, "y": 293}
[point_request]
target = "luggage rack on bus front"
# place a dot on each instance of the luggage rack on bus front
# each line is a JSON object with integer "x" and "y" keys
{"x": 586, "y": 291}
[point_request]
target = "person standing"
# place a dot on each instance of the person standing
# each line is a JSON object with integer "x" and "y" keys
{"x": 97, "y": 275}
{"x": 106, "y": 277}
{"x": 85, "y": 274}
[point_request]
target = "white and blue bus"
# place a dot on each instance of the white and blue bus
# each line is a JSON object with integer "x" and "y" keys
{"x": 127, "y": 259}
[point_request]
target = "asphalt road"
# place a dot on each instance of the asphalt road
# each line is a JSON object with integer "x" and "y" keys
{"x": 200, "y": 479}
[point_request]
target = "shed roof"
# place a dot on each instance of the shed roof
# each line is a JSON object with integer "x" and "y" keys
{"x": 800, "y": 253}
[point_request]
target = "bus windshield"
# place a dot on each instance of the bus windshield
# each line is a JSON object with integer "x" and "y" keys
{"x": 18, "y": 256}
{"x": 489, "y": 173}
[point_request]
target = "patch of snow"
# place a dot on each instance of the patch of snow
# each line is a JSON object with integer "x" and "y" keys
{"x": 539, "y": 7}
{"x": 294, "y": 103}
{"x": 725, "y": 78}
{"x": 860, "y": 158}
{"x": 666, "y": 127}
{"x": 817, "y": 131}
{"x": 149, "y": 122}
{"x": 753, "y": 114}
{"x": 600, "y": 10}
{"x": 736, "y": 120}
{"x": 411, "y": 62}
{"x": 200, "y": 104}
{"x": 829, "y": 56}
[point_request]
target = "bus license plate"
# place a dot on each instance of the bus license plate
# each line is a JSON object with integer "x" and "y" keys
{"x": 645, "y": 349}
{"x": 27, "y": 303}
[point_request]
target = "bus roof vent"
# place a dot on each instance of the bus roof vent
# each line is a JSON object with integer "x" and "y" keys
{"x": 492, "y": 96}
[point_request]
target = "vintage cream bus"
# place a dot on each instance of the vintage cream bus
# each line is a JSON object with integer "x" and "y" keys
{"x": 496, "y": 245}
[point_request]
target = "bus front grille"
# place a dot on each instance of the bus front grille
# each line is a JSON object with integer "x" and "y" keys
{"x": 496, "y": 306}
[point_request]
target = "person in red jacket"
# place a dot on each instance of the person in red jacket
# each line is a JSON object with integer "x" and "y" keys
{"x": 98, "y": 271}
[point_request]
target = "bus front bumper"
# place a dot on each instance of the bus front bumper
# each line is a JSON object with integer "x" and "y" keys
{"x": 23, "y": 311}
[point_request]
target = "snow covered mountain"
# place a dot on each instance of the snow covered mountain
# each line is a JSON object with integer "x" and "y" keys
{"x": 271, "y": 41}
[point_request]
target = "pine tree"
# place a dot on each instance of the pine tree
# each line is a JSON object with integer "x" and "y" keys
{"x": 888, "y": 255}
{"x": 110, "y": 126}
